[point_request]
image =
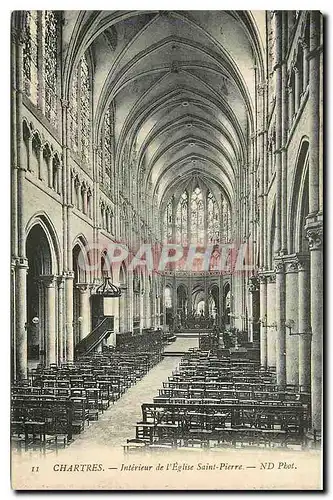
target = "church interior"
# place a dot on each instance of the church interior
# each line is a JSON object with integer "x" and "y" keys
{"x": 167, "y": 229}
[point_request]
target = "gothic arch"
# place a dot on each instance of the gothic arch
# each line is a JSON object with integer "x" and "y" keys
{"x": 298, "y": 201}
{"x": 47, "y": 227}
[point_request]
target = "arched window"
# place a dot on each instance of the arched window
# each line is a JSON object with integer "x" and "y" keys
{"x": 74, "y": 113}
{"x": 167, "y": 297}
{"x": 197, "y": 217}
{"x": 225, "y": 222}
{"x": 105, "y": 153}
{"x": 85, "y": 110}
{"x": 30, "y": 55}
{"x": 168, "y": 222}
{"x": 40, "y": 60}
{"x": 80, "y": 111}
{"x": 50, "y": 64}
{"x": 108, "y": 147}
{"x": 181, "y": 219}
{"x": 213, "y": 220}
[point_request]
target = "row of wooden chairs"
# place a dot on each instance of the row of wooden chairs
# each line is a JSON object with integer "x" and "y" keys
{"x": 56, "y": 402}
{"x": 212, "y": 401}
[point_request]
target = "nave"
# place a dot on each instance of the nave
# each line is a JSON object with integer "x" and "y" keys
{"x": 167, "y": 183}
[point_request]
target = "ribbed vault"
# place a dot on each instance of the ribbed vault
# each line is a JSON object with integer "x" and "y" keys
{"x": 183, "y": 85}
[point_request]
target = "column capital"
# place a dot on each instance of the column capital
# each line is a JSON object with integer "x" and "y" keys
{"x": 292, "y": 266}
{"x": 21, "y": 263}
{"x": 68, "y": 275}
{"x": 271, "y": 278}
{"x": 303, "y": 264}
{"x": 48, "y": 280}
{"x": 253, "y": 283}
{"x": 262, "y": 279}
{"x": 314, "y": 236}
{"x": 279, "y": 267}
{"x": 83, "y": 287}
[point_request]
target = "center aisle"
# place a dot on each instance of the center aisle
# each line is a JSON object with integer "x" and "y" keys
{"x": 117, "y": 423}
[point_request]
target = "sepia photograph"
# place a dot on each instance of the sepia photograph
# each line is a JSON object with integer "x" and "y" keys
{"x": 166, "y": 250}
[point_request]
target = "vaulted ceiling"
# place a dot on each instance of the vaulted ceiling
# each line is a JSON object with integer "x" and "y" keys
{"x": 183, "y": 85}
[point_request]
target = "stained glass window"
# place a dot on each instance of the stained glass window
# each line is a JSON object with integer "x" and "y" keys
{"x": 168, "y": 222}
{"x": 30, "y": 56}
{"x": 74, "y": 113}
{"x": 181, "y": 219}
{"x": 213, "y": 220}
{"x": 50, "y": 65}
{"x": 108, "y": 136}
{"x": 85, "y": 110}
{"x": 197, "y": 217}
{"x": 100, "y": 162}
{"x": 226, "y": 221}
{"x": 80, "y": 121}
{"x": 167, "y": 298}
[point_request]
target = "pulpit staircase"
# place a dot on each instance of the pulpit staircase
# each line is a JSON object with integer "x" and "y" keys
{"x": 95, "y": 337}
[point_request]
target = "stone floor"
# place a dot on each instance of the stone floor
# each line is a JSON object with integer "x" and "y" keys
{"x": 182, "y": 344}
{"x": 117, "y": 424}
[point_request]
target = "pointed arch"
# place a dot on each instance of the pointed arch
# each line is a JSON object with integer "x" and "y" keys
{"x": 42, "y": 220}
{"x": 299, "y": 200}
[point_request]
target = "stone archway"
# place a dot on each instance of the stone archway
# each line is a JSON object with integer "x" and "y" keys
{"x": 44, "y": 331}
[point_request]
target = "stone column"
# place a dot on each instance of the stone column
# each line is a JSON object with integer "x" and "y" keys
{"x": 141, "y": 309}
{"x": 61, "y": 356}
{"x": 122, "y": 312}
{"x": 50, "y": 320}
{"x": 271, "y": 319}
{"x": 278, "y": 144}
{"x": 19, "y": 172}
{"x": 292, "y": 347}
{"x": 130, "y": 302}
{"x": 315, "y": 237}
{"x": 263, "y": 324}
{"x": 314, "y": 227}
{"x": 314, "y": 112}
{"x": 304, "y": 325}
{"x": 69, "y": 277}
{"x": 280, "y": 324}
{"x": 291, "y": 106}
{"x": 84, "y": 326}
{"x": 284, "y": 132}
{"x": 21, "y": 319}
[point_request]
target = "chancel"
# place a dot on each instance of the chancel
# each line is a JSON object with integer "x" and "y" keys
{"x": 167, "y": 228}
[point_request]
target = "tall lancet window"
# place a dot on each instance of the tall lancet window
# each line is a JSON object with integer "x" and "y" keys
{"x": 74, "y": 113}
{"x": 197, "y": 217}
{"x": 226, "y": 221}
{"x": 40, "y": 61}
{"x": 168, "y": 222}
{"x": 108, "y": 147}
{"x": 85, "y": 110}
{"x": 181, "y": 220}
{"x": 30, "y": 55}
{"x": 80, "y": 111}
{"x": 213, "y": 219}
{"x": 50, "y": 65}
